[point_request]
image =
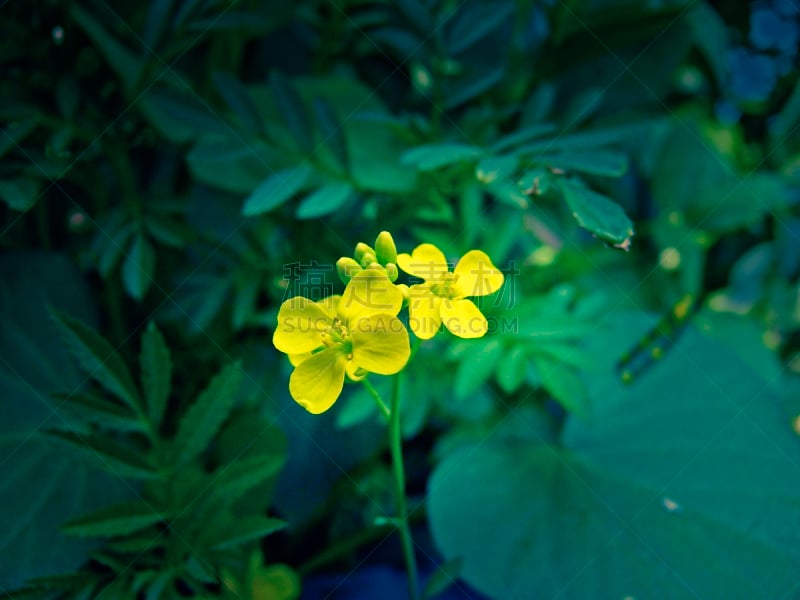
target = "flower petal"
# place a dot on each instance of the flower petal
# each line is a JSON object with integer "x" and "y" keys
{"x": 354, "y": 372}
{"x": 368, "y": 293}
{"x": 316, "y": 383}
{"x": 464, "y": 319}
{"x": 330, "y": 304}
{"x": 426, "y": 261}
{"x": 300, "y": 326}
{"x": 380, "y": 344}
{"x": 476, "y": 275}
{"x": 424, "y": 311}
{"x": 296, "y": 359}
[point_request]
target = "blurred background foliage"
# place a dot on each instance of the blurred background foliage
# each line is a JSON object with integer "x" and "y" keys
{"x": 172, "y": 170}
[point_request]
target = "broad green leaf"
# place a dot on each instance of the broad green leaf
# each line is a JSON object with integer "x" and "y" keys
{"x": 471, "y": 85}
{"x": 331, "y": 131}
{"x": 233, "y": 480}
{"x": 604, "y": 163}
{"x": 586, "y": 139}
{"x": 661, "y": 494}
{"x": 496, "y": 167}
{"x": 110, "y": 456}
{"x": 42, "y": 486}
{"x": 158, "y": 18}
{"x": 324, "y": 201}
{"x": 436, "y": 156}
{"x": 155, "y": 365}
{"x": 474, "y": 22}
{"x": 712, "y": 38}
{"x": 20, "y": 193}
{"x": 139, "y": 267}
{"x": 205, "y": 416}
{"x": 98, "y": 359}
{"x": 477, "y": 365}
{"x": 292, "y": 110}
{"x": 276, "y": 189}
{"x": 239, "y": 100}
{"x": 374, "y": 151}
{"x": 116, "y": 520}
{"x": 245, "y": 295}
{"x": 181, "y": 117}
{"x": 417, "y": 14}
{"x": 597, "y": 213}
{"x": 227, "y": 533}
{"x": 511, "y": 370}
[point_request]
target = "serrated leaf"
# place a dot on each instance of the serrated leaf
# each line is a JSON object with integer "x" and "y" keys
{"x": 435, "y": 156}
{"x": 597, "y": 213}
{"x": 512, "y": 369}
{"x": 98, "y": 358}
{"x": 139, "y": 267}
{"x": 204, "y": 418}
{"x": 239, "y": 101}
{"x": 226, "y": 533}
{"x": 331, "y": 130}
{"x": 324, "y": 201}
{"x": 563, "y": 383}
{"x": 605, "y": 163}
{"x": 99, "y": 411}
{"x": 475, "y": 22}
{"x": 20, "y": 193}
{"x": 120, "y": 519}
{"x": 275, "y": 190}
{"x": 111, "y": 456}
{"x": 292, "y": 109}
{"x": 237, "y": 478}
{"x": 155, "y": 364}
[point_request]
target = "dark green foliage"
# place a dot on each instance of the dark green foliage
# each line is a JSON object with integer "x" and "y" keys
{"x": 173, "y": 170}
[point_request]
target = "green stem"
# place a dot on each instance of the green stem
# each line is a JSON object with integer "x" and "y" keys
{"x": 396, "y": 446}
{"x": 377, "y": 397}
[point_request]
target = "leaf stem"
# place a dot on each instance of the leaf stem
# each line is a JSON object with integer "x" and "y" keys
{"x": 377, "y": 397}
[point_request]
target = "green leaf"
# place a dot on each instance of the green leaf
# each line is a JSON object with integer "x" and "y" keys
{"x": 155, "y": 365}
{"x": 331, "y": 130}
{"x": 324, "y": 201}
{"x": 597, "y": 213}
{"x": 474, "y": 22}
{"x": 511, "y": 370}
{"x": 204, "y": 418}
{"x": 108, "y": 455}
{"x": 20, "y": 193}
{"x": 520, "y": 136}
{"x": 42, "y": 486}
{"x": 139, "y": 267}
{"x": 276, "y": 189}
{"x": 477, "y": 366}
{"x": 563, "y": 383}
{"x": 122, "y": 61}
{"x": 603, "y": 163}
{"x": 237, "y": 478}
{"x": 587, "y": 139}
{"x": 231, "y": 164}
{"x": 239, "y": 101}
{"x": 662, "y": 491}
{"x": 227, "y": 533}
{"x": 119, "y": 519}
{"x": 436, "y": 156}
{"x": 493, "y": 168}
{"x": 15, "y": 133}
{"x": 444, "y": 576}
{"x": 180, "y": 117}
{"x": 99, "y": 411}
{"x": 98, "y": 358}
{"x": 292, "y": 110}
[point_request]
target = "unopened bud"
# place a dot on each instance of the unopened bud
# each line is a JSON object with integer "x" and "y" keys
{"x": 385, "y": 249}
{"x": 361, "y": 251}
{"x": 391, "y": 271}
{"x": 346, "y": 267}
{"x": 373, "y": 266}
{"x": 406, "y": 291}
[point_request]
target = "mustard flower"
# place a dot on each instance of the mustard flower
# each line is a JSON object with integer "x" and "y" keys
{"x": 442, "y": 296}
{"x": 352, "y": 334}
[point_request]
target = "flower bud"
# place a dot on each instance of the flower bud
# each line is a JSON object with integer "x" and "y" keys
{"x": 376, "y": 267}
{"x": 346, "y": 267}
{"x": 391, "y": 271}
{"x": 385, "y": 249}
{"x": 361, "y": 251}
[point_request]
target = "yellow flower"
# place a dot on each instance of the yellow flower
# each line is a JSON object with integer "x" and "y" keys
{"x": 351, "y": 334}
{"x": 442, "y": 296}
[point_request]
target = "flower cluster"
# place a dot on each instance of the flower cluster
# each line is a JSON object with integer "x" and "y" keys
{"x": 359, "y": 332}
